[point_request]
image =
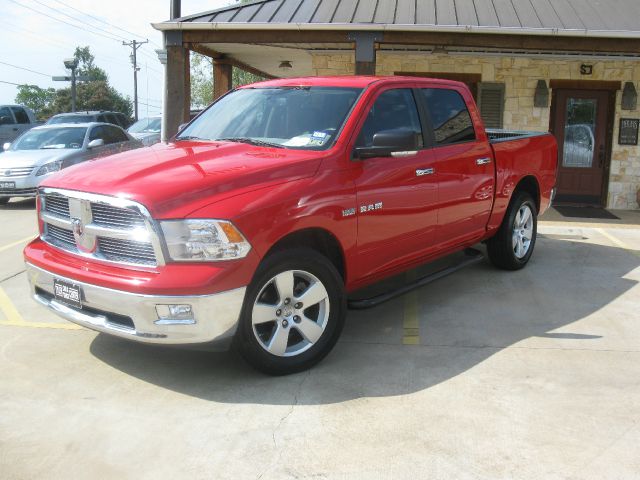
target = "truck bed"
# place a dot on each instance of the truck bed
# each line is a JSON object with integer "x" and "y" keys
{"x": 497, "y": 135}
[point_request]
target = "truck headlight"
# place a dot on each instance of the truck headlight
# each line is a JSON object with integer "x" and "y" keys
{"x": 203, "y": 240}
{"x": 49, "y": 168}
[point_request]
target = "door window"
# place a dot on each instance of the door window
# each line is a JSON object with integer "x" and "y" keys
{"x": 20, "y": 114}
{"x": 394, "y": 109}
{"x": 579, "y": 132}
{"x": 5, "y": 116}
{"x": 97, "y": 133}
{"x": 449, "y": 116}
{"x": 114, "y": 135}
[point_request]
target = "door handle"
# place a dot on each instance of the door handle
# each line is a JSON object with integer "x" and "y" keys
{"x": 483, "y": 161}
{"x": 421, "y": 172}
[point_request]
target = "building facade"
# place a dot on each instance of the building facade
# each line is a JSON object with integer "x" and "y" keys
{"x": 573, "y": 73}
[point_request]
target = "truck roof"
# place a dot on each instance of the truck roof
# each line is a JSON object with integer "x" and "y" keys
{"x": 353, "y": 81}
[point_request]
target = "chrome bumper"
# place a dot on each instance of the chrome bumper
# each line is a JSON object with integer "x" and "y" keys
{"x": 134, "y": 316}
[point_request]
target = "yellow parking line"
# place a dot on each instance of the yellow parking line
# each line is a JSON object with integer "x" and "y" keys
{"x": 410, "y": 326}
{"x": 617, "y": 241}
{"x": 10, "y": 311}
{"x": 17, "y": 242}
{"x": 14, "y": 319}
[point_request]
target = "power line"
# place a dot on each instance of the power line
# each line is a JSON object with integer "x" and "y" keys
{"x": 11, "y": 83}
{"x": 76, "y": 19}
{"x": 63, "y": 21}
{"x": 25, "y": 69}
{"x": 104, "y": 21}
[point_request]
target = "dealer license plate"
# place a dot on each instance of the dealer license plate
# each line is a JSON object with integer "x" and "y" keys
{"x": 68, "y": 293}
{"x": 8, "y": 185}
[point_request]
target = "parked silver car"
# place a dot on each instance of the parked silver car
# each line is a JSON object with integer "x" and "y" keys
{"x": 147, "y": 130}
{"x": 44, "y": 150}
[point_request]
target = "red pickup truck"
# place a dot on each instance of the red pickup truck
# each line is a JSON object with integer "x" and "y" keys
{"x": 259, "y": 219}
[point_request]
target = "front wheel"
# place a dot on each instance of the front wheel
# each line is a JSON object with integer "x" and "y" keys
{"x": 512, "y": 246}
{"x": 293, "y": 312}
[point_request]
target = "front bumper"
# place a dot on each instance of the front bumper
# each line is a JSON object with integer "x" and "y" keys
{"x": 24, "y": 186}
{"x": 134, "y": 316}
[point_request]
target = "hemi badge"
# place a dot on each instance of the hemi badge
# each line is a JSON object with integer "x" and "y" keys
{"x": 348, "y": 212}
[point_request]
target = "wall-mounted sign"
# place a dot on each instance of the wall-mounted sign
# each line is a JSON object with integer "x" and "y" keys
{"x": 628, "y": 131}
{"x": 586, "y": 69}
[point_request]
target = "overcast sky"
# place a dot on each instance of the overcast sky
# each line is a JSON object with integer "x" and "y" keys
{"x": 34, "y": 36}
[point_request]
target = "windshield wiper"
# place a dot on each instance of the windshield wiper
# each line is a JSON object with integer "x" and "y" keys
{"x": 250, "y": 141}
{"x": 190, "y": 137}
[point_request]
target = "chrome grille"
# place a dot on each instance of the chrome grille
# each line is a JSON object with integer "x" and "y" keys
{"x": 127, "y": 251}
{"x": 112, "y": 229}
{"x": 57, "y": 205}
{"x": 62, "y": 237}
{"x": 16, "y": 172}
{"x": 110, "y": 216}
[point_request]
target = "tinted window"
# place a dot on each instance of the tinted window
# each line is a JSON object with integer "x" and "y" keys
{"x": 96, "y": 133}
{"x": 5, "y": 116}
{"x": 394, "y": 109}
{"x": 70, "y": 119}
{"x": 114, "y": 135}
{"x": 20, "y": 114}
{"x": 449, "y": 116}
{"x": 111, "y": 118}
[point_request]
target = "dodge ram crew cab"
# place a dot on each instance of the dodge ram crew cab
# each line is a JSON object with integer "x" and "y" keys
{"x": 255, "y": 224}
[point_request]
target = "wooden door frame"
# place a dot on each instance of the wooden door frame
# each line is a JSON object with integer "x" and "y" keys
{"x": 590, "y": 85}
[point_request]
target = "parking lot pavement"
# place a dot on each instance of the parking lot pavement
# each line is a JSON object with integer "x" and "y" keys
{"x": 483, "y": 374}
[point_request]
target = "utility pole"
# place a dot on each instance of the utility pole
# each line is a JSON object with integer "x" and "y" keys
{"x": 135, "y": 45}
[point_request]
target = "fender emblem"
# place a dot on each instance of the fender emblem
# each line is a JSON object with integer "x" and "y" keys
{"x": 371, "y": 207}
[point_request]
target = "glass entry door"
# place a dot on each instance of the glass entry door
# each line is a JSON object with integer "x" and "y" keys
{"x": 580, "y": 128}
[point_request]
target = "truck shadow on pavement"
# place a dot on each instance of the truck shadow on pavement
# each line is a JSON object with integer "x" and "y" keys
{"x": 464, "y": 319}
{"x": 24, "y": 204}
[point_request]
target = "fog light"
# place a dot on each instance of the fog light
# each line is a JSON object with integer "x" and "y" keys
{"x": 174, "y": 314}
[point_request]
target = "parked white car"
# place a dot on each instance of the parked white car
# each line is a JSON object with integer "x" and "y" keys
{"x": 147, "y": 130}
{"x": 43, "y": 150}
{"x": 14, "y": 120}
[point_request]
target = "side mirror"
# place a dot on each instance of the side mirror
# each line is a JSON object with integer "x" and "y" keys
{"x": 6, "y": 146}
{"x": 98, "y": 142}
{"x": 390, "y": 143}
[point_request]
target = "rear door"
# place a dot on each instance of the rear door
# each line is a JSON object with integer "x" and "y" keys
{"x": 396, "y": 196}
{"x": 463, "y": 161}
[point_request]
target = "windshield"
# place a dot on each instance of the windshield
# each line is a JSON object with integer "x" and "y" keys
{"x": 146, "y": 125}
{"x": 71, "y": 119}
{"x": 300, "y": 117}
{"x": 51, "y": 138}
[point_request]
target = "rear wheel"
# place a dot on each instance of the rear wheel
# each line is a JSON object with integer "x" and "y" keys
{"x": 512, "y": 246}
{"x": 293, "y": 312}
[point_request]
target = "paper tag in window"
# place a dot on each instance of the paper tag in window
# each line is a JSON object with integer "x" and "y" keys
{"x": 319, "y": 135}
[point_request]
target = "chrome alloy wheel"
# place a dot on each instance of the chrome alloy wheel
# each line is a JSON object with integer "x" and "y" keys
{"x": 290, "y": 313}
{"x": 522, "y": 231}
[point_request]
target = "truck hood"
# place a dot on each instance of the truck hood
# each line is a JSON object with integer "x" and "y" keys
{"x": 33, "y": 158}
{"x": 173, "y": 180}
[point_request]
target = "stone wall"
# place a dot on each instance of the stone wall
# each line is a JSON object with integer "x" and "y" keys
{"x": 520, "y": 76}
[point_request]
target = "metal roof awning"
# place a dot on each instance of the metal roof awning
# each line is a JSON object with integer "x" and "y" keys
{"x": 572, "y": 18}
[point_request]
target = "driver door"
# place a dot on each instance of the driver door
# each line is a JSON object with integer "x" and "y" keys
{"x": 8, "y": 127}
{"x": 397, "y": 195}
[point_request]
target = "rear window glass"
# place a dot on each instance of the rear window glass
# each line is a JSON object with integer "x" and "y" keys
{"x": 71, "y": 119}
{"x": 449, "y": 116}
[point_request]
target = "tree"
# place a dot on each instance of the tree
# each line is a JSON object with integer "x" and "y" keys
{"x": 93, "y": 94}
{"x": 40, "y": 100}
{"x": 202, "y": 79}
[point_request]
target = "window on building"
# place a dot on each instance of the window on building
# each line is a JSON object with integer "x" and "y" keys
{"x": 393, "y": 109}
{"x": 449, "y": 116}
{"x": 491, "y": 104}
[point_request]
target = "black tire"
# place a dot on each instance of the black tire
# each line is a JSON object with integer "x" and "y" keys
{"x": 501, "y": 249}
{"x": 307, "y": 267}
{"x": 4, "y": 200}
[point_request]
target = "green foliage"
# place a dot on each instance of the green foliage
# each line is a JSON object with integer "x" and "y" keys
{"x": 40, "y": 100}
{"x": 95, "y": 94}
{"x": 202, "y": 79}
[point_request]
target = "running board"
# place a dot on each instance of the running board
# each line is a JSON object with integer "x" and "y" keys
{"x": 471, "y": 256}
